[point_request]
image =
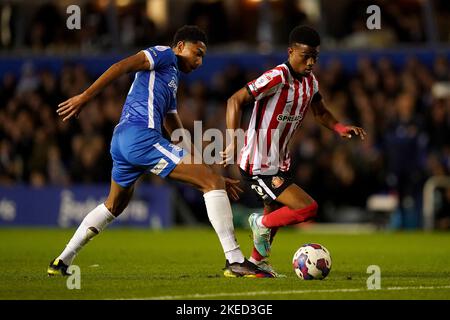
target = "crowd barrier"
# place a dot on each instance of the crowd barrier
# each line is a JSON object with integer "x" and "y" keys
{"x": 216, "y": 62}
{"x": 151, "y": 206}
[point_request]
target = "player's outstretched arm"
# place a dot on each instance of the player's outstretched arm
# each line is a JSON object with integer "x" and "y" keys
{"x": 326, "y": 118}
{"x": 73, "y": 106}
{"x": 233, "y": 119}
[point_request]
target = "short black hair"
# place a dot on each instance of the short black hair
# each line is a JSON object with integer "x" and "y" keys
{"x": 304, "y": 35}
{"x": 189, "y": 33}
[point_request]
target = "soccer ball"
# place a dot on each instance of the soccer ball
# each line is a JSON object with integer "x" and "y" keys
{"x": 312, "y": 261}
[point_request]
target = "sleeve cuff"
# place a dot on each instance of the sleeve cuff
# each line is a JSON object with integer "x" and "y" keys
{"x": 150, "y": 59}
{"x": 249, "y": 90}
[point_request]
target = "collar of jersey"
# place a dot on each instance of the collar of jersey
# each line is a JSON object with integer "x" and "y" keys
{"x": 296, "y": 75}
{"x": 176, "y": 64}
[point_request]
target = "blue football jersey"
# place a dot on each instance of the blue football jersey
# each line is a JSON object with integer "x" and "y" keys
{"x": 153, "y": 92}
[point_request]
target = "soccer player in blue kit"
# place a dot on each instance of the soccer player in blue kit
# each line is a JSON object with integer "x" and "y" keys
{"x": 138, "y": 147}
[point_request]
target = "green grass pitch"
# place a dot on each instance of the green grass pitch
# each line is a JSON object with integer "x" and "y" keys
{"x": 186, "y": 264}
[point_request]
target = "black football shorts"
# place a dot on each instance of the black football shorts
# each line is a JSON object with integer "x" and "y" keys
{"x": 268, "y": 187}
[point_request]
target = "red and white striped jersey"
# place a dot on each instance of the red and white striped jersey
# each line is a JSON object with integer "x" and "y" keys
{"x": 281, "y": 102}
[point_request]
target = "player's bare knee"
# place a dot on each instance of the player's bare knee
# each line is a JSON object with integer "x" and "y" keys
{"x": 270, "y": 207}
{"x": 314, "y": 207}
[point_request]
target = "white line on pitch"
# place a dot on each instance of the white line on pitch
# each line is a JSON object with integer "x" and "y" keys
{"x": 264, "y": 293}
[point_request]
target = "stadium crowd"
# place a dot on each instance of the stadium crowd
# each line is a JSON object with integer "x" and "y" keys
{"x": 408, "y": 130}
{"x": 105, "y": 25}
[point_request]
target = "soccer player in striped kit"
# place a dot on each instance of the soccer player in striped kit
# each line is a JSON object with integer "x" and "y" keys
{"x": 138, "y": 147}
{"x": 281, "y": 97}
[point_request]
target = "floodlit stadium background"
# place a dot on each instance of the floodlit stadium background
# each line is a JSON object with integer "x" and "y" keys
{"x": 394, "y": 82}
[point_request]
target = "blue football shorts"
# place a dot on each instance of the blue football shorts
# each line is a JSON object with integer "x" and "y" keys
{"x": 136, "y": 150}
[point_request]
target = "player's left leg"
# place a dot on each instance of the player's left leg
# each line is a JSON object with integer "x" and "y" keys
{"x": 298, "y": 207}
{"x": 220, "y": 215}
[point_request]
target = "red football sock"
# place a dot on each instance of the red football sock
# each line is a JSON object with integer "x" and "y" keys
{"x": 256, "y": 255}
{"x": 286, "y": 216}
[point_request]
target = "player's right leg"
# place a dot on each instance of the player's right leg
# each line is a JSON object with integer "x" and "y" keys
{"x": 263, "y": 239}
{"x": 285, "y": 203}
{"x": 295, "y": 206}
{"x": 220, "y": 215}
{"x": 124, "y": 174}
{"x": 261, "y": 235}
{"x": 93, "y": 223}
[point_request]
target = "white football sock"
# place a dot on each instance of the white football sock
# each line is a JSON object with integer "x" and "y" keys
{"x": 94, "y": 222}
{"x": 220, "y": 215}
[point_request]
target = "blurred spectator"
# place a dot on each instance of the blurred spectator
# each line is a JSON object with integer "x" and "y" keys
{"x": 442, "y": 18}
{"x": 211, "y": 17}
{"x": 46, "y": 27}
{"x": 404, "y": 153}
{"x": 29, "y": 81}
{"x": 443, "y": 211}
{"x": 286, "y": 15}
